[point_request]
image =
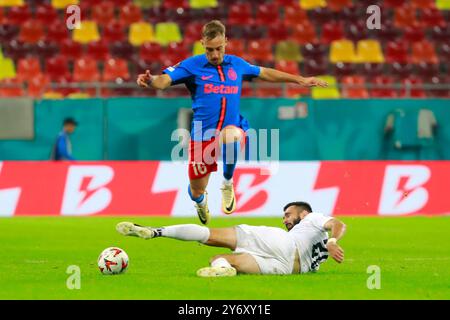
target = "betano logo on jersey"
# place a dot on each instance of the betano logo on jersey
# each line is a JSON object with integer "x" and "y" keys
{"x": 223, "y": 89}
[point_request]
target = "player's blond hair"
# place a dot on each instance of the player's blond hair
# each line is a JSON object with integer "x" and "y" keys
{"x": 213, "y": 29}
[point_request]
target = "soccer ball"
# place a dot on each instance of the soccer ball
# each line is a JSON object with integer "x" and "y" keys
{"x": 113, "y": 260}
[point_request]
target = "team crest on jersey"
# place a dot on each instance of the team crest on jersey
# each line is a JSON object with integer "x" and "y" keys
{"x": 232, "y": 74}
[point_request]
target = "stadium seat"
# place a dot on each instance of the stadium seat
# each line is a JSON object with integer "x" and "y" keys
{"x": 267, "y": 14}
{"x": 71, "y": 50}
{"x": 156, "y": 15}
{"x": 11, "y": 88}
{"x": 197, "y": 48}
{"x": 332, "y": 31}
{"x": 414, "y": 33}
{"x": 123, "y": 50}
{"x": 320, "y": 16}
{"x": 202, "y": 4}
{"x": 331, "y": 92}
{"x": 16, "y": 49}
{"x": 357, "y": 31}
{"x": 388, "y": 32}
{"x": 423, "y": 4}
{"x": 240, "y": 14}
{"x": 288, "y": 50}
{"x": 176, "y": 52}
{"x": 19, "y": 15}
{"x": 236, "y": 47}
{"x": 404, "y": 16}
{"x": 294, "y": 16}
{"x": 413, "y": 88}
{"x": 62, "y": 4}
{"x": 304, "y": 33}
{"x": 37, "y": 85}
{"x": 31, "y": 32}
{"x": 175, "y": 4}
{"x": 384, "y": 89}
{"x": 354, "y": 87}
{"x": 314, "y": 67}
{"x": 443, "y": 4}
{"x": 57, "y": 32}
{"x": 88, "y": 32}
{"x": 8, "y": 32}
{"x": 140, "y": 32}
{"x": 253, "y": 32}
{"x": 167, "y": 32}
{"x": 369, "y": 51}
{"x": 85, "y": 70}
{"x": 98, "y": 50}
{"x": 11, "y": 3}
{"x": 193, "y": 32}
{"x": 7, "y": 69}
{"x": 269, "y": 91}
{"x": 47, "y": 49}
{"x": 260, "y": 51}
{"x": 427, "y": 70}
{"x": 278, "y": 32}
{"x": 142, "y": 65}
{"x": 342, "y": 69}
{"x": 46, "y": 14}
{"x": 440, "y": 34}
{"x": 400, "y": 70}
{"x": 79, "y": 95}
{"x": 338, "y": 5}
{"x": 129, "y": 14}
{"x": 289, "y": 66}
{"x": 397, "y": 51}
{"x": 150, "y": 52}
{"x": 3, "y": 17}
{"x": 444, "y": 52}
{"x": 315, "y": 51}
{"x": 145, "y": 4}
{"x": 392, "y": 4}
{"x": 116, "y": 70}
{"x": 113, "y": 31}
{"x": 432, "y": 17}
{"x": 311, "y": 4}
{"x": 373, "y": 69}
{"x": 424, "y": 51}
{"x": 103, "y": 13}
{"x": 57, "y": 69}
{"x": 342, "y": 51}
{"x": 52, "y": 95}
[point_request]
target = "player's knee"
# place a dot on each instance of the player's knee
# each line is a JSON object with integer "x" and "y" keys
{"x": 231, "y": 134}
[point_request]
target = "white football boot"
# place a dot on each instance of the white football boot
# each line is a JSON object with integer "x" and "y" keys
{"x": 210, "y": 272}
{"x": 135, "y": 230}
{"x": 228, "y": 198}
{"x": 203, "y": 211}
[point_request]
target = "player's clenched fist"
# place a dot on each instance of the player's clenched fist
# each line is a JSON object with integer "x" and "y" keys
{"x": 335, "y": 252}
{"x": 144, "y": 78}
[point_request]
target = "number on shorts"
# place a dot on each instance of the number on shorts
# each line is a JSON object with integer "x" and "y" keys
{"x": 199, "y": 168}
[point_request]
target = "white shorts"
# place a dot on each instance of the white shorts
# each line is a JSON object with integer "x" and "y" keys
{"x": 272, "y": 248}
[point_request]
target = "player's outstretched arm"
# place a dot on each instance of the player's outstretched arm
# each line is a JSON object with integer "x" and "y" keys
{"x": 160, "y": 82}
{"x": 337, "y": 229}
{"x": 273, "y": 75}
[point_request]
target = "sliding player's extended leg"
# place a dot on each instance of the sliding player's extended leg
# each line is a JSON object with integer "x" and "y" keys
{"x": 230, "y": 137}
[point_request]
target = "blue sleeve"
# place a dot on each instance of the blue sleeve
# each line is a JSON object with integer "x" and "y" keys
{"x": 249, "y": 71}
{"x": 61, "y": 149}
{"x": 180, "y": 72}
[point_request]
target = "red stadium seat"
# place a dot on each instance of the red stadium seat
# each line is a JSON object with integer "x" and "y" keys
{"x": 57, "y": 69}
{"x": 28, "y": 68}
{"x": 116, "y": 70}
{"x": 193, "y": 32}
{"x": 357, "y": 31}
{"x": 156, "y": 14}
{"x": 287, "y": 3}
{"x": 182, "y": 17}
{"x": 240, "y": 14}
{"x": 315, "y": 68}
{"x": 142, "y": 65}
{"x": 278, "y": 32}
{"x": 272, "y": 91}
{"x": 11, "y": 88}
{"x": 424, "y": 51}
{"x": 98, "y": 50}
{"x": 385, "y": 87}
{"x": 114, "y": 31}
{"x": 423, "y": 4}
{"x": 123, "y": 50}
{"x": 19, "y": 15}
{"x": 444, "y": 52}
{"x": 86, "y": 70}
{"x": 392, "y": 4}
{"x": 414, "y": 33}
{"x": 236, "y": 47}
{"x": 260, "y": 51}
{"x": 320, "y": 15}
{"x": 338, "y": 5}
{"x": 427, "y": 70}
{"x": 253, "y": 32}
{"x": 413, "y": 88}
{"x": 205, "y": 15}
{"x": 405, "y": 16}
{"x": 441, "y": 34}
{"x": 332, "y": 31}
{"x": 354, "y": 87}
{"x": 267, "y": 14}
{"x": 57, "y": 32}
{"x": 315, "y": 51}
{"x": 150, "y": 52}
{"x": 120, "y": 3}
{"x": 304, "y": 33}
{"x": 129, "y": 14}
{"x": 37, "y": 85}
{"x": 8, "y": 32}
{"x": 400, "y": 70}
{"x": 45, "y": 13}
{"x": 103, "y": 13}
{"x": 31, "y": 32}
{"x": 174, "y": 4}
{"x": 71, "y": 50}
{"x": 176, "y": 52}
{"x": 287, "y": 66}
{"x": 47, "y": 49}
{"x": 16, "y": 49}
{"x": 388, "y": 32}
{"x": 294, "y": 15}
{"x": 373, "y": 69}
{"x": 3, "y": 17}
{"x": 341, "y": 69}
{"x": 432, "y": 17}
{"x": 397, "y": 51}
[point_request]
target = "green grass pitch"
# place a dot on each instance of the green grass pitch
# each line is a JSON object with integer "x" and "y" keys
{"x": 413, "y": 254}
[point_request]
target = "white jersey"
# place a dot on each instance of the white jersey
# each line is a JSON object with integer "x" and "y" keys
{"x": 311, "y": 238}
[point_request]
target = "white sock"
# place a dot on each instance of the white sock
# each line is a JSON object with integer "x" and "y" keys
{"x": 202, "y": 203}
{"x": 186, "y": 232}
{"x": 220, "y": 262}
{"x": 227, "y": 182}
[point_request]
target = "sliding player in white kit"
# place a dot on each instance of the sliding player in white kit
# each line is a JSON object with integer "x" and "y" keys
{"x": 260, "y": 249}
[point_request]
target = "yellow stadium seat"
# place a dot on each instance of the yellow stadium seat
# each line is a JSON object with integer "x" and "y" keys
{"x": 311, "y": 4}
{"x": 167, "y": 32}
{"x": 11, "y": 3}
{"x": 198, "y": 48}
{"x": 78, "y": 95}
{"x": 62, "y": 4}
{"x": 52, "y": 95}
{"x": 369, "y": 51}
{"x": 1, "y": 53}
{"x": 342, "y": 51}
{"x": 88, "y": 32}
{"x": 7, "y": 69}
{"x": 331, "y": 92}
{"x": 140, "y": 32}
{"x": 147, "y": 3}
{"x": 443, "y": 4}
{"x": 288, "y": 51}
{"x": 201, "y": 4}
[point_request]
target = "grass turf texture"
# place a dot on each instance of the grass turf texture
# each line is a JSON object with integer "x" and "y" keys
{"x": 412, "y": 252}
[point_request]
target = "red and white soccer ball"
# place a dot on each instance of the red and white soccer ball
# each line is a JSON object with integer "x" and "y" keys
{"x": 113, "y": 260}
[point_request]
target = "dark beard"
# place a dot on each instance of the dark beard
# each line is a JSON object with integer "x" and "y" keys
{"x": 296, "y": 222}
